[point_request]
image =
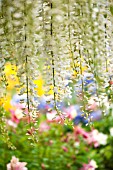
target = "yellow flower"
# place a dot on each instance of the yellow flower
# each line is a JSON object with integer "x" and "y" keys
{"x": 10, "y": 69}
{"x": 11, "y": 76}
{"x": 12, "y": 80}
{"x": 5, "y": 102}
{"x": 39, "y": 88}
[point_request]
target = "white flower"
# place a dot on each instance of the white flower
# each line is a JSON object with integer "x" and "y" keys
{"x": 76, "y": 144}
{"x": 102, "y": 139}
{"x": 93, "y": 163}
{"x": 73, "y": 113}
{"x": 111, "y": 131}
{"x": 19, "y": 113}
{"x": 11, "y": 123}
{"x": 99, "y": 137}
{"x": 51, "y": 116}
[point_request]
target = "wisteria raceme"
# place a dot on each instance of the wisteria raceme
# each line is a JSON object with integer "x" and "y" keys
{"x": 59, "y": 38}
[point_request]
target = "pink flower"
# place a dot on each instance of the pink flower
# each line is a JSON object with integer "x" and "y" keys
{"x": 65, "y": 149}
{"x": 16, "y": 165}
{"x": 44, "y": 127}
{"x": 92, "y": 138}
{"x": 17, "y": 114}
{"x": 11, "y": 123}
{"x": 79, "y": 131}
{"x": 50, "y": 142}
{"x": 53, "y": 116}
{"x": 87, "y": 167}
{"x": 43, "y": 166}
{"x": 90, "y": 166}
{"x": 70, "y": 112}
{"x": 13, "y": 117}
{"x": 97, "y": 138}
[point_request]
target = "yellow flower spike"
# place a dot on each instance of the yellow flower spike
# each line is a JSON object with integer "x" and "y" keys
{"x": 5, "y": 102}
{"x": 11, "y": 76}
{"x": 10, "y": 69}
{"x": 10, "y": 72}
{"x": 12, "y": 83}
{"x": 39, "y": 88}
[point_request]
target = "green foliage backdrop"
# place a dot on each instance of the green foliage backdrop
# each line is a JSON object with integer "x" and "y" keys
{"x": 60, "y": 38}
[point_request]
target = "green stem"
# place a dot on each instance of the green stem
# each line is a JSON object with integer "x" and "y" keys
{"x": 53, "y": 63}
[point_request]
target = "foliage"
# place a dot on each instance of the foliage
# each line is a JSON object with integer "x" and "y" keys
{"x": 59, "y": 147}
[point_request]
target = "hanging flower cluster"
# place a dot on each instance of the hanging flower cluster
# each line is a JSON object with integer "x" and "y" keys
{"x": 65, "y": 39}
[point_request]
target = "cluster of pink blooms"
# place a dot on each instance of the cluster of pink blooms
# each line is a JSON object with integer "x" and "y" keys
{"x": 17, "y": 114}
{"x": 69, "y": 113}
{"x": 16, "y": 165}
{"x": 92, "y": 138}
{"x": 90, "y": 166}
